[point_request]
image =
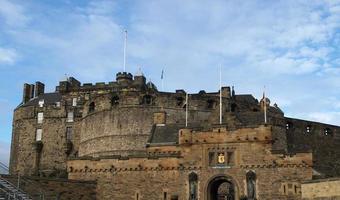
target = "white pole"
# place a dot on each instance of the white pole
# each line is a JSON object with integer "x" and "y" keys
{"x": 162, "y": 85}
{"x": 125, "y": 39}
{"x": 186, "y": 109}
{"x": 220, "y": 95}
{"x": 265, "y": 105}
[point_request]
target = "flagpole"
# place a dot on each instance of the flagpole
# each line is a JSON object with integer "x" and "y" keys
{"x": 265, "y": 105}
{"x": 125, "y": 40}
{"x": 220, "y": 95}
{"x": 186, "y": 110}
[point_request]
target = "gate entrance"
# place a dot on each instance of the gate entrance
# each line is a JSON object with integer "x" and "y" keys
{"x": 221, "y": 188}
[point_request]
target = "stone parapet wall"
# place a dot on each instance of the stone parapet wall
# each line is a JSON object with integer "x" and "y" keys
{"x": 321, "y": 189}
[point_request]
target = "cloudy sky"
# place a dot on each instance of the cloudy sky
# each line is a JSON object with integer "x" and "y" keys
{"x": 290, "y": 46}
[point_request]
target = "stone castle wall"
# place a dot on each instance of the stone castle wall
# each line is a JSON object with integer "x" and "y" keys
{"x": 166, "y": 170}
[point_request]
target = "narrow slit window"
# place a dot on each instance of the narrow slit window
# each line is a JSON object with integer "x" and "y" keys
{"x": 69, "y": 133}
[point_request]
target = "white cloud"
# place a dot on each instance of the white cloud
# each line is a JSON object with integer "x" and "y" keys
{"x": 13, "y": 14}
{"x": 8, "y": 56}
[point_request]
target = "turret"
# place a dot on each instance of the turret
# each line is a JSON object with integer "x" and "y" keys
{"x": 65, "y": 86}
{"x": 124, "y": 78}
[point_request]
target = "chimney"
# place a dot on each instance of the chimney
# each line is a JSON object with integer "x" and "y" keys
{"x": 39, "y": 88}
{"x": 28, "y": 92}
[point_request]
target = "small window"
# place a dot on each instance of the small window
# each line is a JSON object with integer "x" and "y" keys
{"x": 74, "y": 101}
{"x": 137, "y": 196}
{"x": 70, "y": 117}
{"x": 230, "y": 158}
{"x": 40, "y": 117}
{"x": 233, "y": 107}
{"x": 69, "y": 133}
{"x": 308, "y": 129}
{"x": 147, "y": 99}
{"x": 38, "y": 134}
{"x": 57, "y": 104}
{"x": 165, "y": 196}
{"x": 41, "y": 103}
{"x": 289, "y": 125}
{"x": 114, "y": 100}
{"x": 92, "y": 107}
{"x": 211, "y": 158}
{"x": 327, "y": 131}
{"x": 179, "y": 101}
{"x": 211, "y": 104}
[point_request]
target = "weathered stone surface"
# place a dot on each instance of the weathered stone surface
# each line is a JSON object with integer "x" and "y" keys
{"x": 131, "y": 139}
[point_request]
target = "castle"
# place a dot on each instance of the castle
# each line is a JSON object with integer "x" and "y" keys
{"x": 127, "y": 140}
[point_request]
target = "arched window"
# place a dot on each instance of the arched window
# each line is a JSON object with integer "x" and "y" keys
{"x": 92, "y": 107}
{"x": 147, "y": 99}
{"x": 114, "y": 100}
{"x": 179, "y": 101}
{"x": 251, "y": 185}
{"x": 233, "y": 107}
{"x": 193, "y": 178}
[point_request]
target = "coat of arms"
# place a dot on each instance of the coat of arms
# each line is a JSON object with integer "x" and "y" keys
{"x": 221, "y": 159}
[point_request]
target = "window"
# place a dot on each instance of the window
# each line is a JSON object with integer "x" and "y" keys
{"x": 308, "y": 129}
{"x": 74, "y": 102}
{"x": 233, "y": 107}
{"x": 289, "y": 125}
{"x": 165, "y": 196}
{"x": 179, "y": 101}
{"x": 137, "y": 196}
{"x": 41, "y": 103}
{"x": 92, "y": 107}
{"x": 230, "y": 158}
{"x": 40, "y": 117}
{"x": 211, "y": 104}
{"x": 251, "y": 185}
{"x": 70, "y": 117}
{"x": 211, "y": 158}
{"x": 327, "y": 131}
{"x": 69, "y": 133}
{"x": 57, "y": 104}
{"x": 38, "y": 134}
{"x": 114, "y": 100}
{"x": 193, "y": 178}
{"x": 147, "y": 99}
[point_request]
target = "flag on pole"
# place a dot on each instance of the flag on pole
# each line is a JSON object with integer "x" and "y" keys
{"x": 162, "y": 77}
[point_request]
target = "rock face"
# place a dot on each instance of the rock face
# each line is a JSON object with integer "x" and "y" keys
{"x": 132, "y": 139}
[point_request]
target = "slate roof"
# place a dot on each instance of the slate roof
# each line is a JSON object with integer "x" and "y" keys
{"x": 165, "y": 134}
{"x": 49, "y": 99}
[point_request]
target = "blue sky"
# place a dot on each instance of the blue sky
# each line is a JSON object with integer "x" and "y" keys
{"x": 292, "y": 47}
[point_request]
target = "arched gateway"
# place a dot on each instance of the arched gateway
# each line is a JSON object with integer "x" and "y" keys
{"x": 221, "y": 188}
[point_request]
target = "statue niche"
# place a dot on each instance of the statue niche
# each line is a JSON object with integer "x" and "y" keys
{"x": 193, "y": 186}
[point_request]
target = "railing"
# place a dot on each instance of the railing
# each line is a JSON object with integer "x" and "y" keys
{"x": 4, "y": 168}
{"x": 36, "y": 194}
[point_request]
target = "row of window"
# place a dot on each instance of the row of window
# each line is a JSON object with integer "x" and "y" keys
{"x": 308, "y": 129}
{"x": 57, "y": 104}
{"x": 39, "y": 134}
{"x": 40, "y": 118}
